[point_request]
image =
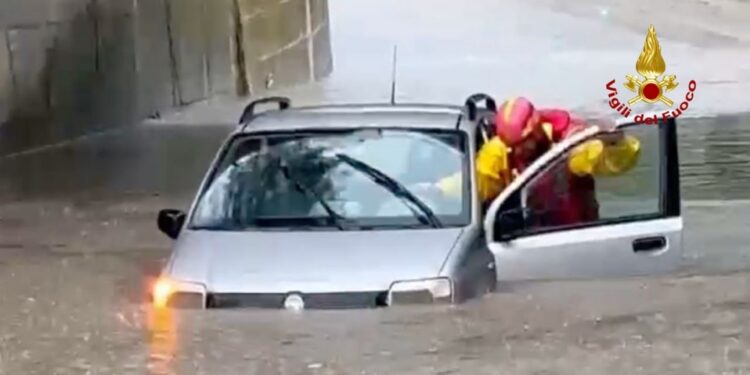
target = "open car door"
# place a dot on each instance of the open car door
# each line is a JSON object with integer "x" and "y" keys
{"x": 636, "y": 231}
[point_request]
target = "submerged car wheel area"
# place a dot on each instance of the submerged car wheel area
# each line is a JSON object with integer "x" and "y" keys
{"x": 325, "y": 208}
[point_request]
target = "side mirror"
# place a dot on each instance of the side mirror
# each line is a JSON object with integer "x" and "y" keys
{"x": 511, "y": 223}
{"x": 170, "y": 222}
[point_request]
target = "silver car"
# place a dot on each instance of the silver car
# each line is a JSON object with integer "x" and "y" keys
{"x": 330, "y": 207}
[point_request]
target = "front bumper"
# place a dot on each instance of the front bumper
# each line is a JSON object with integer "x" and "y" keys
{"x": 328, "y": 301}
{"x": 195, "y": 296}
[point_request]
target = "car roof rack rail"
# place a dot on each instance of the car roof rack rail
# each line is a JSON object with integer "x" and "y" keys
{"x": 249, "y": 112}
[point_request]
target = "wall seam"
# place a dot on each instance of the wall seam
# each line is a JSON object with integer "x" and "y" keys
{"x": 310, "y": 41}
{"x": 240, "y": 69}
{"x": 207, "y": 51}
{"x": 94, "y": 8}
{"x": 175, "y": 75}
{"x": 11, "y": 68}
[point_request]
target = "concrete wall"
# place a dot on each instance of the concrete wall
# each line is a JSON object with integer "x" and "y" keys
{"x": 73, "y": 67}
{"x": 281, "y": 51}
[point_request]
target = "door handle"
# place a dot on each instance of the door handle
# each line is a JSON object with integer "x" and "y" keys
{"x": 649, "y": 244}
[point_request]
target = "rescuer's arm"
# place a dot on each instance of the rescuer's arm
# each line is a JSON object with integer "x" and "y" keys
{"x": 491, "y": 171}
{"x": 605, "y": 157}
{"x": 451, "y": 186}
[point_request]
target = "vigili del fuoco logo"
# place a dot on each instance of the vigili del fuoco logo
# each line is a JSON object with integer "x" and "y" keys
{"x": 652, "y": 85}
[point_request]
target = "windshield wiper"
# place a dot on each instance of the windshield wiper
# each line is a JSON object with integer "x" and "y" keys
{"x": 334, "y": 217}
{"x": 394, "y": 187}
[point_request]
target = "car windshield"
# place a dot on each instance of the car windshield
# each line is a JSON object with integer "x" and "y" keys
{"x": 343, "y": 180}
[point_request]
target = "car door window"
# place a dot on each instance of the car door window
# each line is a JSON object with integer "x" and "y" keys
{"x": 557, "y": 198}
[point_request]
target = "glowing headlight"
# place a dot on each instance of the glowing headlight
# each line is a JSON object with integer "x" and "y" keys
{"x": 421, "y": 291}
{"x": 172, "y": 293}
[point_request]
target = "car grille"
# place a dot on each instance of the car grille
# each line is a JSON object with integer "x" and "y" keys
{"x": 353, "y": 300}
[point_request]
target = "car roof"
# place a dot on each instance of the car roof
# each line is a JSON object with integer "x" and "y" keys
{"x": 418, "y": 116}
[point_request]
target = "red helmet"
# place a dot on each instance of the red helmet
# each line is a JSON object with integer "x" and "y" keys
{"x": 512, "y": 120}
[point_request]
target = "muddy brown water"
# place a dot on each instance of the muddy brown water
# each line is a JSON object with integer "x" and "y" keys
{"x": 78, "y": 241}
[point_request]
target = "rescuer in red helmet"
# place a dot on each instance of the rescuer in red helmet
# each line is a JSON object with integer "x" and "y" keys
{"x": 523, "y": 134}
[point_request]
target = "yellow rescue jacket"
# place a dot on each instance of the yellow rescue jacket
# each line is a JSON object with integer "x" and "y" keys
{"x": 493, "y": 172}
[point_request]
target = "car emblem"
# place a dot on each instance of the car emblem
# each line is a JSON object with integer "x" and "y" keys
{"x": 294, "y": 302}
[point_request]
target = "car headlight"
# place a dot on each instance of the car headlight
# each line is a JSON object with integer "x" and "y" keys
{"x": 420, "y": 291}
{"x": 171, "y": 293}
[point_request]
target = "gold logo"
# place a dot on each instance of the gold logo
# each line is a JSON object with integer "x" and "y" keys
{"x": 651, "y": 66}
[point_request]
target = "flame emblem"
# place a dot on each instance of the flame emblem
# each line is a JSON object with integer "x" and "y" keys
{"x": 651, "y": 66}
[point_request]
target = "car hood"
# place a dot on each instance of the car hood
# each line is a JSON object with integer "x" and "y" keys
{"x": 309, "y": 262}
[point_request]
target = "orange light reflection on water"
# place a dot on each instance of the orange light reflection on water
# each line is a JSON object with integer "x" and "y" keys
{"x": 162, "y": 341}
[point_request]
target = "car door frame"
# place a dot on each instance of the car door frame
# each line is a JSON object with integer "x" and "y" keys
{"x": 670, "y": 202}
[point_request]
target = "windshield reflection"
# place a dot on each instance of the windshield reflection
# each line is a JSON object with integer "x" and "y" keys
{"x": 308, "y": 181}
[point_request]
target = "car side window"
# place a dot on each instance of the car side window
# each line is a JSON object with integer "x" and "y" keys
{"x": 562, "y": 196}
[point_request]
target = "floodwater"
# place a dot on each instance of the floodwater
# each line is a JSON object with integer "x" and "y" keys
{"x": 79, "y": 246}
